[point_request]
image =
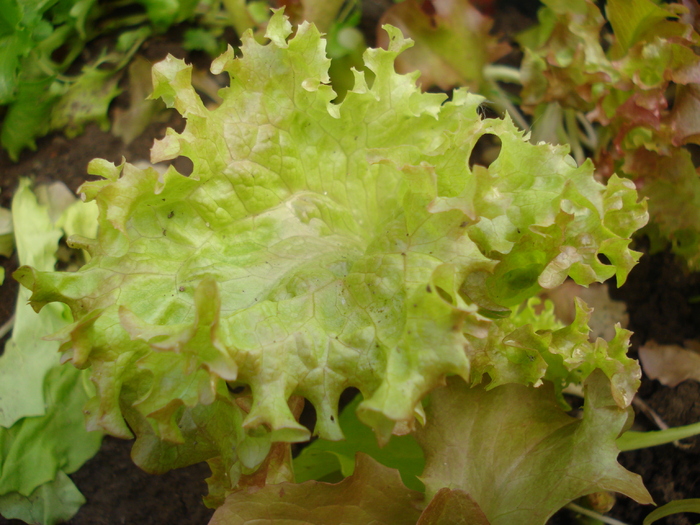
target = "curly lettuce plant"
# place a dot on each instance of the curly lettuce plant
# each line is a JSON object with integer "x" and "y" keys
{"x": 319, "y": 246}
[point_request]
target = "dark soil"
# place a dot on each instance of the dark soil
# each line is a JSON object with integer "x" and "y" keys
{"x": 658, "y": 296}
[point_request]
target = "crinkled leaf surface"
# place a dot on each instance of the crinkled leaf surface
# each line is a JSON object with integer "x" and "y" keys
{"x": 373, "y": 494}
{"x": 523, "y": 463}
{"x": 319, "y": 246}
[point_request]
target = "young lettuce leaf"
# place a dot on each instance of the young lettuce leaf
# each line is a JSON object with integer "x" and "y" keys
{"x": 42, "y": 427}
{"x": 318, "y": 246}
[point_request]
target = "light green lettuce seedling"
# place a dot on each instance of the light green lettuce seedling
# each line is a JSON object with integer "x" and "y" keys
{"x": 319, "y": 246}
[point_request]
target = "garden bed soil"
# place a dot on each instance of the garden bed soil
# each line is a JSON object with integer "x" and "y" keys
{"x": 659, "y": 294}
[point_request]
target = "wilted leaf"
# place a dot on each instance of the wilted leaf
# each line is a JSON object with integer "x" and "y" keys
{"x": 670, "y": 364}
{"x": 606, "y": 312}
{"x": 373, "y": 494}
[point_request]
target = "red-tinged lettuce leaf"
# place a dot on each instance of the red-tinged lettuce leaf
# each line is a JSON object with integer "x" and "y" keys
{"x": 685, "y": 115}
{"x": 452, "y": 507}
{"x": 373, "y": 494}
{"x": 672, "y": 185}
{"x": 625, "y": 87}
{"x": 453, "y": 42}
{"x": 518, "y": 455}
{"x": 318, "y": 246}
{"x": 564, "y": 60}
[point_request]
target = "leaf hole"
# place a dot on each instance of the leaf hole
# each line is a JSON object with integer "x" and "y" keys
{"x": 485, "y": 151}
{"x": 183, "y": 165}
{"x": 308, "y": 415}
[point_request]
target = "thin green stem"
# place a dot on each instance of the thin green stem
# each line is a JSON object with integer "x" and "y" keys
{"x": 632, "y": 440}
{"x": 501, "y": 73}
{"x": 593, "y": 514}
{"x": 502, "y": 103}
{"x": 7, "y": 326}
{"x": 591, "y": 140}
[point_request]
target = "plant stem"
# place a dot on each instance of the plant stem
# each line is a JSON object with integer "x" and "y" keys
{"x": 501, "y": 73}
{"x": 632, "y": 440}
{"x": 592, "y": 514}
{"x": 501, "y": 102}
{"x": 7, "y": 326}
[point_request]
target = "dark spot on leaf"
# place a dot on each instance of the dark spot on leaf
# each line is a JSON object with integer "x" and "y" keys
{"x": 165, "y": 232}
{"x": 181, "y": 288}
{"x": 464, "y": 224}
{"x": 428, "y": 289}
{"x": 332, "y": 419}
{"x": 170, "y": 215}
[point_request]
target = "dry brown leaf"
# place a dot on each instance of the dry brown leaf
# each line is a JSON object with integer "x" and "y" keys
{"x": 670, "y": 364}
{"x": 606, "y": 312}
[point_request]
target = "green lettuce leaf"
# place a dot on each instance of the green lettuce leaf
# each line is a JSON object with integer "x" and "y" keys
{"x": 319, "y": 246}
{"x": 28, "y": 358}
{"x": 322, "y": 457}
{"x": 43, "y": 434}
{"x": 522, "y": 464}
{"x": 53, "y": 502}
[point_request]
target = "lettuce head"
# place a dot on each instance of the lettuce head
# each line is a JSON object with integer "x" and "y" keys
{"x": 319, "y": 246}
